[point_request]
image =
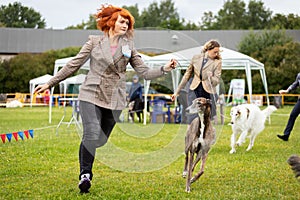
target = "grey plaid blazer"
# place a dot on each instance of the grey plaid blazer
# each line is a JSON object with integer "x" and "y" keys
{"x": 105, "y": 83}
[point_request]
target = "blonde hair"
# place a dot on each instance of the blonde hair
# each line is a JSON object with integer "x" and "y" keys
{"x": 211, "y": 44}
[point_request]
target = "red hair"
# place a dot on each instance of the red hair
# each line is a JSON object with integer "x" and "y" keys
{"x": 107, "y": 16}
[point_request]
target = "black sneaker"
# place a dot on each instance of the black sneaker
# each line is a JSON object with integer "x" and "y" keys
{"x": 283, "y": 137}
{"x": 84, "y": 183}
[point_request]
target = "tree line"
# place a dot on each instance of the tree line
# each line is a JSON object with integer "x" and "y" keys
{"x": 234, "y": 15}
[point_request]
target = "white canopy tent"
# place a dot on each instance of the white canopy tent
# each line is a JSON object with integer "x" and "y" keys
{"x": 231, "y": 60}
{"x": 37, "y": 81}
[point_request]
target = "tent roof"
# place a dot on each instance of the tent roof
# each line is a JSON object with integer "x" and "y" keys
{"x": 41, "y": 80}
{"x": 63, "y": 61}
{"x": 74, "y": 79}
{"x": 230, "y": 59}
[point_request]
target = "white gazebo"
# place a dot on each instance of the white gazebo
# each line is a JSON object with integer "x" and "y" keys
{"x": 231, "y": 60}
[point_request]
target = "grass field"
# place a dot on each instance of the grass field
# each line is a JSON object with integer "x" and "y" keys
{"x": 142, "y": 162}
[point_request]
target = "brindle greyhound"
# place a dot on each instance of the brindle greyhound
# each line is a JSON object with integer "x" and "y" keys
{"x": 200, "y": 136}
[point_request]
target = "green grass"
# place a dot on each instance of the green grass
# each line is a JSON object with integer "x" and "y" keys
{"x": 142, "y": 162}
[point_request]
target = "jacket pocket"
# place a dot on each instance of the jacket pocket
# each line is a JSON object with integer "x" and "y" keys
{"x": 92, "y": 81}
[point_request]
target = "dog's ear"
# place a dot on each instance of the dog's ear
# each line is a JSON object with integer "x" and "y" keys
{"x": 238, "y": 113}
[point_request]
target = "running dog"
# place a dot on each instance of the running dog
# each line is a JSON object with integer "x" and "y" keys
{"x": 200, "y": 136}
{"x": 247, "y": 118}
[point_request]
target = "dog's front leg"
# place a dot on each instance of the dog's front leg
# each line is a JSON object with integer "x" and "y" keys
{"x": 252, "y": 139}
{"x": 242, "y": 138}
{"x": 200, "y": 173}
{"x": 185, "y": 169}
{"x": 189, "y": 176}
{"x": 198, "y": 157}
{"x": 232, "y": 142}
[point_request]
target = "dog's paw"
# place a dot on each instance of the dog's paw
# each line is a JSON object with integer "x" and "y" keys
{"x": 184, "y": 174}
{"x": 232, "y": 151}
{"x": 239, "y": 144}
{"x": 249, "y": 148}
{"x": 188, "y": 190}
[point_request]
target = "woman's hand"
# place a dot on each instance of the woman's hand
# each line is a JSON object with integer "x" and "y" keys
{"x": 41, "y": 88}
{"x": 170, "y": 65}
{"x": 173, "y": 97}
{"x": 283, "y": 91}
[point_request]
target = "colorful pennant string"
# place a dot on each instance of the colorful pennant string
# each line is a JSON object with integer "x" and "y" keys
{"x": 16, "y": 135}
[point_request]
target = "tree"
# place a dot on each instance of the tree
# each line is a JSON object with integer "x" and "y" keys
{"x": 255, "y": 42}
{"x": 164, "y": 16}
{"x": 281, "y": 65}
{"x": 134, "y": 10}
{"x": 16, "y": 15}
{"x": 209, "y": 21}
{"x": 235, "y": 15}
{"x": 279, "y": 54}
{"x": 232, "y": 16}
{"x": 151, "y": 16}
{"x": 290, "y": 21}
{"x": 16, "y": 72}
{"x": 159, "y": 16}
{"x": 257, "y": 16}
{"x": 91, "y": 24}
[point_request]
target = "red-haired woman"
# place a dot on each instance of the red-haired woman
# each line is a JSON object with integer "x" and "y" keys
{"x": 103, "y": 94}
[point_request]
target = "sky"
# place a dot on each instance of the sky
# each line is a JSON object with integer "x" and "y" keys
{"x": 59, "y": 14}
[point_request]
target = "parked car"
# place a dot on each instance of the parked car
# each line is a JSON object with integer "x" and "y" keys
{"x": 163, "y": 96}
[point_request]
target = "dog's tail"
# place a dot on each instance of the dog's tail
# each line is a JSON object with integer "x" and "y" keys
{"x": 269, "y": 110}
{"x": 294, "y": 162}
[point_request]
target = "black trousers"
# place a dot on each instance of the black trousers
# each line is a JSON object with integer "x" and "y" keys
{"x": 98, "y": 124}
{"x": 293, "y": 116}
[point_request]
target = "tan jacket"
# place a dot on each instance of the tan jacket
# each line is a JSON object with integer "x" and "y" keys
{"x": 105, "y": 83}
{"x": 209, "y": 84}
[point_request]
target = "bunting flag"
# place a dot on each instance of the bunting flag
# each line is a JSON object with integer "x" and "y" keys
{"x": 3, "y": 136}
{"x": 31, "y": 133}
{"x": 16, "y": 135}
{"x": 20, "y": 133}
{"x": 26, "y": 134}
{"x": 9, "y": 136}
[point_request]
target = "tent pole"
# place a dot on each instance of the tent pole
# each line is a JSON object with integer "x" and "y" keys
{"x": 249, "y": 81}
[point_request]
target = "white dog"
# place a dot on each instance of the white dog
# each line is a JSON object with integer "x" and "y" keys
{"x": 247, "y": 118}
{"x": 14, "y": 104}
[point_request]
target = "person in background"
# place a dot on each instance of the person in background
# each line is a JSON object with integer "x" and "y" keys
{"x": 135, "y": 99}
{"x": 295, "y": 112}
{"x": 102, "y": 95}
{"x": 205, "y": 69}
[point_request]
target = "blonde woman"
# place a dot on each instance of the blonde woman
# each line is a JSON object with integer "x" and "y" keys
{"x": 205, "y": 70}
